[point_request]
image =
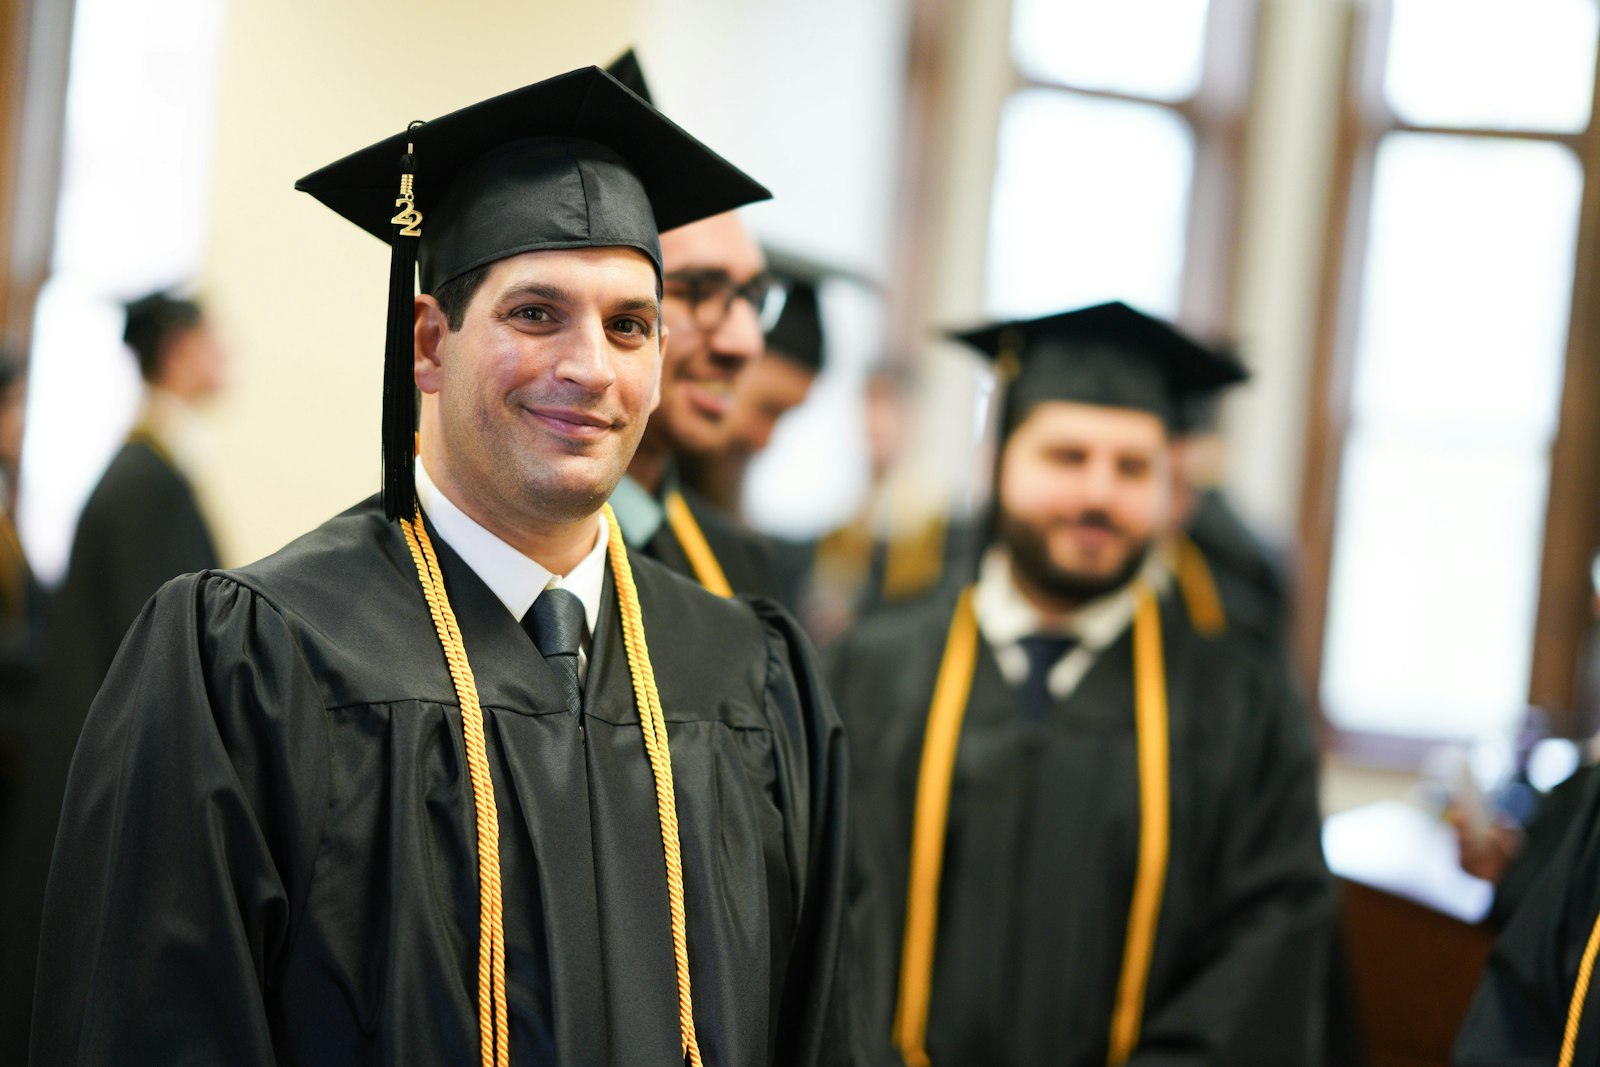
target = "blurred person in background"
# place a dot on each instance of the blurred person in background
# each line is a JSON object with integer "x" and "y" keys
{"x": 1228, "y": 576}
{"x": 718, "y": 299}
{"x": 143, "y": 523}
{"x": 20, "y": 624}
{"x": 771, "y": 387}
{"x": 21, "y": 598}
{"x": 1513, "y": 852}
{"x": 1106, "y": 822}
{"x": 905, "y": 541}
{"x": 1538, "y": 1002}
{"x": 896, "y": 548}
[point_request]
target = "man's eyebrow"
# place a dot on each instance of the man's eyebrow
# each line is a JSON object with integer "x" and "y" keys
{"x": 638, "y": 303}
{"x": 544, "y": 292}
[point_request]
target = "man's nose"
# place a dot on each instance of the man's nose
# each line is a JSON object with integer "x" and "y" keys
{"x": 585, "y": 359}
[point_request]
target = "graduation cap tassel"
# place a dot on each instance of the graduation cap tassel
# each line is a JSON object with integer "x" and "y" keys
{"x": 399, "y": 383}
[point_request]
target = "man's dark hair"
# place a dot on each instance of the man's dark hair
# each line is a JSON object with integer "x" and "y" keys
{"x": 455, "y": 294}
{"x": 152, "y": 322}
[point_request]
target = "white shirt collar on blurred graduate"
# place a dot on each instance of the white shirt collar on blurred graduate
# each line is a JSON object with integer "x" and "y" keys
{"x": 514, "y": 579}
{"x": 178, "y": 429}
{"x": 1005, "y": 616}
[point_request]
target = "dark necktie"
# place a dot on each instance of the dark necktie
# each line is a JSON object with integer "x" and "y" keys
{"x": 1044, "y": 651}
{"x": 555, "y": 622}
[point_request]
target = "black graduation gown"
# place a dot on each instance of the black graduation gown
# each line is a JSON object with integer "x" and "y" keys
{"x": 1042, "y": 845}
{"x": 141, "y": 526}
{"x": 746, "y": 557}
{"x": 1519, "y": 1013}
{"x": 267, "y": 850}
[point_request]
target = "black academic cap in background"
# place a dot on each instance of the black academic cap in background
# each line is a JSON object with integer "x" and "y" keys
{"x": 798, "y": 334}
{"x": 574, "y": 161}
{"x": 1109, "y": 355}
{"x": 625, "y": 68}
{"x": 1199, "y": 410}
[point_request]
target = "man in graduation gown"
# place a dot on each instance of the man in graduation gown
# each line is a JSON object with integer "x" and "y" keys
{"x": 142, "y": 524}
{"x": 1538, "y": 1003}
{"x": 1087, "y": 833}
{"x": 336, "y": 807}
{"x": 718, "y": 299}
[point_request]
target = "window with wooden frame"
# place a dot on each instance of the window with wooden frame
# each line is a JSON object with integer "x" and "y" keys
{"x": 1450, "y": 501}
{"x": 1119, "y": 154}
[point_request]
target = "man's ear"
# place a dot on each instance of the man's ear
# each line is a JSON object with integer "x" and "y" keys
{"x": 430, "y": 326}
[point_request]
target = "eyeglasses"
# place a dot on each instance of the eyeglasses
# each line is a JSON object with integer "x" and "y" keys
{"x": 710, "y": 295}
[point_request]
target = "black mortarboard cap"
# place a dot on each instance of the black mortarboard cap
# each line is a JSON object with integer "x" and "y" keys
{"x": 1198, "y": 410}
{"x": 1108, "y": 355}
{"x": 798, "y": 333}
{"x": 574, "y": 161}
{"x": 625, "y": 68}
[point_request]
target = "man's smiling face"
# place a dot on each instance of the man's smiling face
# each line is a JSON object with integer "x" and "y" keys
{"x": 540, "y": 397}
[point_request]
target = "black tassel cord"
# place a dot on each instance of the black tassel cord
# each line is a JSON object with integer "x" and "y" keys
{"x": 399, "y": 384}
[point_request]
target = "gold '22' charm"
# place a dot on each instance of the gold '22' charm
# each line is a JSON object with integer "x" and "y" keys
{"x": 408, "y": 217}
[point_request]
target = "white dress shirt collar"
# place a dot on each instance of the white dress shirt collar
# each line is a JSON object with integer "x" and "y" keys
{"x": 1005, "y": 617}
{"x": 514, "y": 579}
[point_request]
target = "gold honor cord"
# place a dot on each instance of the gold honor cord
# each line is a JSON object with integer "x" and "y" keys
{"x": 491, "y": 935}
{"x": 654, "y": 727}
{"x": 1199, "y": 589}
{"x": 495, "y": 1040}
{"x": 928, "y": 826}
{"x": 1580, "y": 993}
{"x": 931, "y": 819}
{"x": 707, "y": 571}
{"x": 1155, "y": 824}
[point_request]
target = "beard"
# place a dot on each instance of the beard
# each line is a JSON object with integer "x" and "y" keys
{"x": 1030, "y": 556}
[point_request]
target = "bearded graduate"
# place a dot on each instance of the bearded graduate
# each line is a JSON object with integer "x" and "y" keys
{"x": 1089, "y": 834}
{"x": 458, "y": 782}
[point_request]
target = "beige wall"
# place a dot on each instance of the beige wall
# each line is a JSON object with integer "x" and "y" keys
{"x": 300, "y": 293}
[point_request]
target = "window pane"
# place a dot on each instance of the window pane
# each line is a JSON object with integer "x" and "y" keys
{"x": 1492, "y": 64}
{"x": 1148, "y": 48}
{"x": 1091, "y": 203}
{"x": 1434, "y": 584}
{"x": 137, "y": 151}
{"x": 1467, "y": 282}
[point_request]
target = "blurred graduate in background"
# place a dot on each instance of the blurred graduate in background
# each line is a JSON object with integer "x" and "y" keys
{"x": 718, "y": 299}
{"x": 143, "y": 523}
{"x": 1105, "y": 819}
